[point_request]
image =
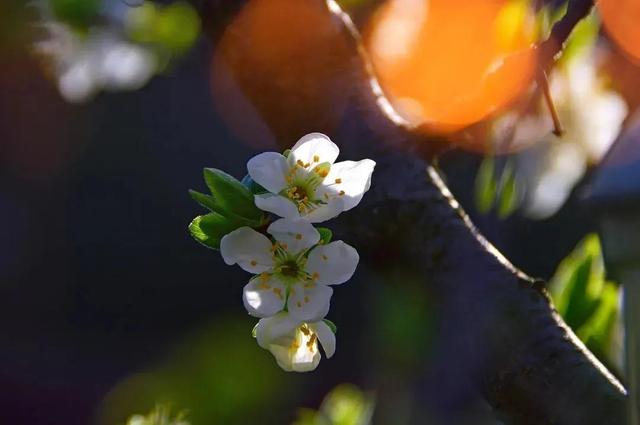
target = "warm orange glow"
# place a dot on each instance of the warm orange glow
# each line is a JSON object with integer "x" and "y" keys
{"x": 446, "y": 64}
{"x": 281, "y": 70}
{"x": 622, "y": 21}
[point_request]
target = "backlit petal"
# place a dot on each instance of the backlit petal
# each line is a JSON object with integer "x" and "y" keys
{"x": 332, "y": 264}
{"x": 313, "y": 149}
{"x": 249, "y": 249}
{"x": 350, "y": 180}
{"x": 309, "y": 302}
{"x": 268, "y": 170}
{"x": 296, "y": 235}
{"x": 264, "y": 296}
{"x": 277, "y": 205}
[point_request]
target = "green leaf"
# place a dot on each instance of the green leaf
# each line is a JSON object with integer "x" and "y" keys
{"x": 582, "y": 38}
{"x": 587, "y": 302}
{"x": 231, "y": 195}
{"x": 210, "y": 228}
{"x": 331, "y": 325}
{"x": 485, "y": 186}
{"x": 598, "y": 330}
{"x": 206, "y": 201}
{"x": 508, "y": 201}
{"x": 325, "y": 235}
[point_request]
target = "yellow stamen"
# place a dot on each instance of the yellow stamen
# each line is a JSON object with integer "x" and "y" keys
{"x": 316, "y": 158}
{"x": 338, "y": 181}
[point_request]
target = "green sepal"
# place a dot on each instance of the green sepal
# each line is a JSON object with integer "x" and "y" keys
{"x": 325, "y": 235}
{"x": 286, "y": 153}
{"x": 209, "y": 229}
{"x": 232, "y": 196}
{"x": 331, "y": 325}
{"x": 254, "y": 331}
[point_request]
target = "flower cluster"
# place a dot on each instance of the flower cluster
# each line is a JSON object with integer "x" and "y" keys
{"x": 294, "y": 263}
{"x": 91, "y": 46}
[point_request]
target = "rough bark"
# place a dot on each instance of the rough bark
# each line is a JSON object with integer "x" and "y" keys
{"x": 497, "y": 323}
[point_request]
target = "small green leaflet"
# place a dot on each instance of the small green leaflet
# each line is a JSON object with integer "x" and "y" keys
{"x": 331, "y": 325}
{"x": 325, "y": 235}
{"x": 209, "y": 229}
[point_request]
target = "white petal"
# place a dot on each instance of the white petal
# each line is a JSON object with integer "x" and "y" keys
{"x": 309, "y": 302}
{"x": 273, "y": 328}
{"x": 297, "y": 235}
{"x": 268, "y": 170}
{"x": 325, "y": 212}
{"x": 249, "y": 249}
{"x": 326, "y": 337}
{"x": 333, "y": 263}
{"x": 296, "y": 359}
{"x": 264, "y": 297}
{"x": 314, "y": 148}
{"x": 277, "y": 205}
{"x": 351, "y": 178}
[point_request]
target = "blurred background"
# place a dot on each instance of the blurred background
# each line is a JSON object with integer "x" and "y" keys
{"x": 110, "y": 109}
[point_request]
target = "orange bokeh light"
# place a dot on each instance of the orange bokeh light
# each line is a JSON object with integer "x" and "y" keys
{"x": 621, "y": 20}
{"x": 281, "y": 69}
{"x": 446, "y": 64}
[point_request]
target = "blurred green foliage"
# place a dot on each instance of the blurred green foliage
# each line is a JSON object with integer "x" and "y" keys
{"x": 217, "y": 375}
{"x": 582, "y": 39}
{"x": 344, "y": 405}
{"x": 547, "y": 16}
{"x": 585, "y": 299}
{"x": 160, "y": 415}
{"x": 173, "y": 28}
{"x": 491, "y": 190}
{"x": 78, "y": 14}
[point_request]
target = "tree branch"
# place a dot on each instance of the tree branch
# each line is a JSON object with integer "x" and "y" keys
{"x": 498, "y": 323}
{"x": 551, "y": 49}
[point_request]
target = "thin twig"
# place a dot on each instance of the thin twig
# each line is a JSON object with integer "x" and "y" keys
{"x": 543, "y": 83}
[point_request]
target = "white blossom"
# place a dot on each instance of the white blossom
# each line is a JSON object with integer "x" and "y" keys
{"x": 293, "y": 272}
{"x": 308, "y": 184}
{"x": 592, "y": 116}
{"x": 295, "y": 344}
{"x": 101, "y": 60}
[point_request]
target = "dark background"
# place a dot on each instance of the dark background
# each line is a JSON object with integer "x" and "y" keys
{"x": 100, "y": 280}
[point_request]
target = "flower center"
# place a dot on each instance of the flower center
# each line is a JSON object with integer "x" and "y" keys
{"x": 290, "y": 268}
{"x": 298, "y": 193}
{"x": 303, "y": 180}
